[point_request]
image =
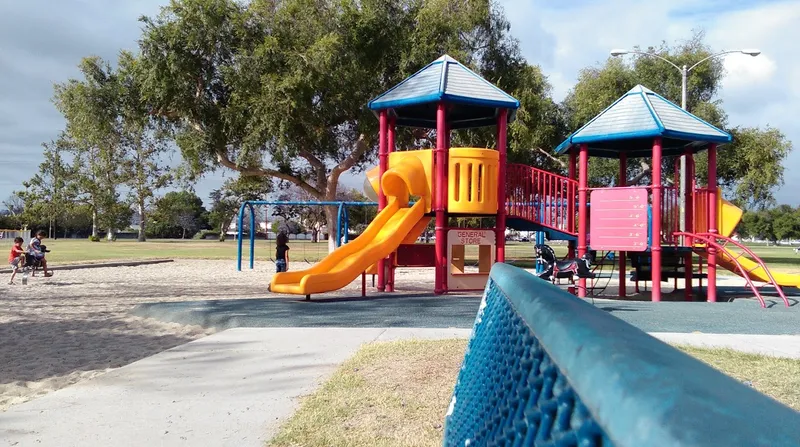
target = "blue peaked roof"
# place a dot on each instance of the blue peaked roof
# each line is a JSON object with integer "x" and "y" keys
{"x": 632, "y": 121}
{"x": 474, "y": 101}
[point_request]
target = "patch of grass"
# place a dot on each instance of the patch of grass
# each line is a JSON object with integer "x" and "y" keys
{"x": 389, "y": 394}
{"x": 68, "y": 251}
{"x": 396, "y": 394}
{"x": 773, "y": 376}
{"x": 522, "y": 254}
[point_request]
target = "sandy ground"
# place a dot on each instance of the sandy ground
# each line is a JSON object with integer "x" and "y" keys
{"x": 75, "y": 325}
{"x": 57, "y": 331}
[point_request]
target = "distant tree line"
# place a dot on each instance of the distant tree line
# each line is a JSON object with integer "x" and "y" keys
{"x": 780, "y": 223}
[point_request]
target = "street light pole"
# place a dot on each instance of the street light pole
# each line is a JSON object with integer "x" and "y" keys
{"x": 684, "y": 180}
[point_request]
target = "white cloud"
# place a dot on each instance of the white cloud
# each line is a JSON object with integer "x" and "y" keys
{"x": 743, "y": 71}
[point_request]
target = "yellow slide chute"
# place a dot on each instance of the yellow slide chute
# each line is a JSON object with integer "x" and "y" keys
{"x": 727, "y": 219}
{"x": 390, "y": 228}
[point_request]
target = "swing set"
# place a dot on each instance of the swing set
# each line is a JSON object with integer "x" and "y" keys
{"x": 342, "y": 223}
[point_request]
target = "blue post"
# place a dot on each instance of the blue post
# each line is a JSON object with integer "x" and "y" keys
{"x": 239, "y": 235}
{"x": 339, "y": 225}
{"x": 539, "y": 240}
{"x": 346, "y": 226}
{"x": 252, "y": 235}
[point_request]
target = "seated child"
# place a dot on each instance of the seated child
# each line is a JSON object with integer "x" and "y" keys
{"x": 16, "y": 258}
{"x": 36, "y": 251}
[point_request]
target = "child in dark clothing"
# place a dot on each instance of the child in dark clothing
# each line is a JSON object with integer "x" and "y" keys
{"x": 282, "y": 253}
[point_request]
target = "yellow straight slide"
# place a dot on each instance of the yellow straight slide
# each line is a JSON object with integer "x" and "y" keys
{"x": 729, "y": 217}
{"x": 386, "y": 232}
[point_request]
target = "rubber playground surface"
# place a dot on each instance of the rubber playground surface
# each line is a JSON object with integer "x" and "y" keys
{"x": 741, "y": 316}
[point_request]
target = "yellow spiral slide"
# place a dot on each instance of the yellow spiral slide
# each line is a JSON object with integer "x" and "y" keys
{"x": 386, "y": 232}
{"x": 728, "y": 217}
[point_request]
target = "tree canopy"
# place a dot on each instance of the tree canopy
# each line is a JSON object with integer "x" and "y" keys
{"x": 278, "y": 88}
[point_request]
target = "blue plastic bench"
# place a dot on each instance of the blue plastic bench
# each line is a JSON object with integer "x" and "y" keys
{"x": 544, "y": 368}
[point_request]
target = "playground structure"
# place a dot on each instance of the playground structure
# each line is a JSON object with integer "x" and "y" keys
{"x": 637, "y": 221}
{"x": 645, "y": 221}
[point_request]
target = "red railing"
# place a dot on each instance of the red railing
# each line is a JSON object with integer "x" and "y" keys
{"x": 543, "y": 197}
{"x": 670, "y": 214}
{"x": 700, "y": 216}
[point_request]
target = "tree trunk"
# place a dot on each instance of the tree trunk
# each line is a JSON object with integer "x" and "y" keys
{"x": 331, "y": 217}
{"x": 183, "y": 236}
{"x": 314, "y": 235}
{"x": 223, "y": 228}
{"x": 142, "y": 222}
{"x": 110, "y": 235}
{"x": 94, "y": 223}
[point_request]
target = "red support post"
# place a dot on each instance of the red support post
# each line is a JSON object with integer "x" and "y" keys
{"x": 583, "y": 183}
{"x": 573, "y": 167}
{"x": 500, "y": 238}
{"x": 363, "y": 283}
{"x": 623, "y": 178}
{"x": 440, "y": 201}
{"x": 688, "y": 218}
{"x": 389, "y": 149}
{"x": 655, "y": 242}
{"x": 712, "y": 221}
{"x": 383, "y": 163}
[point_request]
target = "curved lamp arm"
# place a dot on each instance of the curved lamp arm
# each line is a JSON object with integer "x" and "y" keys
{"x": 721, "y": 53}
{"x": 642, "y": 53}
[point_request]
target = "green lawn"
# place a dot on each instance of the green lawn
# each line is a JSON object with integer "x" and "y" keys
{"x": 779, "y": 259}
{"x": 396, "y": 393}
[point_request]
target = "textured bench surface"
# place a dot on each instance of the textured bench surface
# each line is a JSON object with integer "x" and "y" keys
{"x": 544, "y": 368}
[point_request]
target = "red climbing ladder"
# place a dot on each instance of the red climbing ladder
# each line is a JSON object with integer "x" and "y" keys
{"x": 541, "y": 197}
{"x": 726, "y": 255}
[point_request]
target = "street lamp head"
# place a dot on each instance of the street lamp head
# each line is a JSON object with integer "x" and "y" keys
{"x": 751, "y": 52}
{"x": 618, "y": 52}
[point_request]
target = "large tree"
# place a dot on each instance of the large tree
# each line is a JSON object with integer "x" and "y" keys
{"x": 177, "y": 215}
{"x": 143, "y": 143}
{"x": 49, "y": 195}
{"x": 278, "y": 88}
{"x": 748, "y": 169}
{"x": 90, "y": 107}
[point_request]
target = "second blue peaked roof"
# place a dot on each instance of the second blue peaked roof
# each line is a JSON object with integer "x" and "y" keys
{"x": 475, "y": 100}
{"x": 631, "y": 122}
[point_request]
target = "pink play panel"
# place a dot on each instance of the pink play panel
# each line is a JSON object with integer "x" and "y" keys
{"x": 618, "y": 219}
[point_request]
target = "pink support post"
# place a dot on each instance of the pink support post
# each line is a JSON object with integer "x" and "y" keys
{"x": 688, "y": 260}
{"x": 712, "y": 221}
{"x": 500, "y": 238}
{"x": 446, "y": 195}
{"x": 573, "y": 167}
{"x": 623, "y": 177}
{"x": 389, "y": 149}
{"x": 583, "y": 214}
{"x": 440, "y": 200}
{"x": 383, "y": 163}
{"x": 655, "y": 238}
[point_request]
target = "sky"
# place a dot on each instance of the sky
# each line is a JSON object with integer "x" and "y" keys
{"x": 41, "y": 43}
